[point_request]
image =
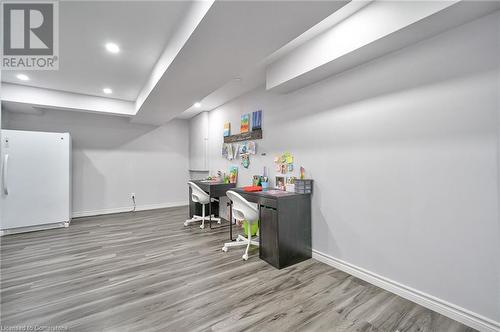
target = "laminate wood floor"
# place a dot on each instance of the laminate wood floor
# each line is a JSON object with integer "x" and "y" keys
{"x": 145, "y": 271}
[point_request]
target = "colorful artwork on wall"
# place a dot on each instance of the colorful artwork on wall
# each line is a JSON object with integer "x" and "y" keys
{"x": 257, "y": 120}
{"x": 243, "y": 148}
{"x": 227, "y": 129}
{"x": 290, "y": 183}
{"x": 245, "y": 160}
{"x": 284, "y": 163}
{"x": 224, "y": 150}
{"x": 283, "y": 169}
{"x": 251, "y": 147}
{"x": 245, "y": 123}
{"x": 227, "y": 151}
{"x": 233, "y": 174}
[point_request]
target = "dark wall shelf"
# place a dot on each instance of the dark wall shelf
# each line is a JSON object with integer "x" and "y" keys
{"x": 254, "y": 134}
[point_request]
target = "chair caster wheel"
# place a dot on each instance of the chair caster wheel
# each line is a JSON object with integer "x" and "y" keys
{"x": 202, "y": 226}
{"x": 186, "y": 224}
{"x": 224, "y": 249}
{"x": 245, "y": 257}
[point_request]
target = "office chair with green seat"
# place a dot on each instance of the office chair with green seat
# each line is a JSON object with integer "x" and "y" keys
{"x": 243, "y": 210}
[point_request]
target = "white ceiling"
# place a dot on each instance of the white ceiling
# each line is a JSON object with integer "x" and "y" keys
{"x": 174, "y": 53}
{"x": 232, "y": 38}
{"x": 255, "y": 76}
{"x": 141, "y": 29}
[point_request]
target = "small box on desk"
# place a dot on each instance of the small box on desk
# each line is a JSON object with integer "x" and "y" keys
{"x": 303, "y": 186}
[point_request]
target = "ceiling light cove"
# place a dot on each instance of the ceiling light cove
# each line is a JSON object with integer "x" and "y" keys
{"x": 112, "y": 48}
{"x": 107, "y": 91}
{"x": 22, "y": 77}
{"x": 197, "y": 105}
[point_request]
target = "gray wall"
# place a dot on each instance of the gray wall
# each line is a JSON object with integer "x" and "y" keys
{"x": 404, "y": 154}
{"x": 113, "y": 158}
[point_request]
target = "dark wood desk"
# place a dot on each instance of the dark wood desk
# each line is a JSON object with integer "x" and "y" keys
{"x": 214, "y": 190}
{"x": 284, "y": 226}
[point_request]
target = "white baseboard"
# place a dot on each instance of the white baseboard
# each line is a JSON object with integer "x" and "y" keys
{"x": 450, "y": 310}
{"x": 77, "y": 214}
{"x": 33, "y": 228}
{"x": 160, "y": 206}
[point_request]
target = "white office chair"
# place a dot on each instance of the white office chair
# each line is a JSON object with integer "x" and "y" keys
{"x": 199, "y": 196}
{"x": 243, "y": 210}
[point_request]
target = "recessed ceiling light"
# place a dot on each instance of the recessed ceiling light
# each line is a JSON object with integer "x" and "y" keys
{"x": 197, "y": 105}
{"x": 23, "y": 77}
{"x": 112, "y": 48}
{"x": 107, "y": 91}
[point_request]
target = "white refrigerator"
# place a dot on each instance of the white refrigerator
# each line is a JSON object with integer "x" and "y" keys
{"x": 35, "y": 181}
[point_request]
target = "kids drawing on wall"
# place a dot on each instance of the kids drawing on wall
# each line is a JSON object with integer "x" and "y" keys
{"x": 284, "y": 163}
{"x": 245, "y": 123}
{"x": 227, "y": 151}
{"x": 245, "y": 160}
{"x": 251, "y": 147}
{"x": 227, "y": 129}
{"x": 257, "y": 120}
{"x": 233, "y": 174}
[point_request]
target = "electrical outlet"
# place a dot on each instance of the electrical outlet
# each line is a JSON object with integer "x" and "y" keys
{"x": 132, "y": 195}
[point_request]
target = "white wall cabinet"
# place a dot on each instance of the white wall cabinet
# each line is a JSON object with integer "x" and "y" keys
{"x": 198, "y": 142}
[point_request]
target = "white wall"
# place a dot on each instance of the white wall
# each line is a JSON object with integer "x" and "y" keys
{"x": 113, "y": 158}
{"x": 198, "y": 137}
{"x": 404, "y": 154}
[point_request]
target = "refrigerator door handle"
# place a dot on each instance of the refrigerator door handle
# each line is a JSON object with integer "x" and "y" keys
{"x": 5, "y": 188}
